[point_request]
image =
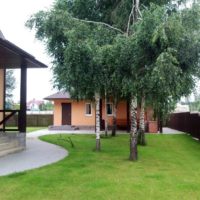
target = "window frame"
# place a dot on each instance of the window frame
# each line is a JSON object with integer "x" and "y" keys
{"x": 86, "y": 114}
{"x": 109, "y": 103}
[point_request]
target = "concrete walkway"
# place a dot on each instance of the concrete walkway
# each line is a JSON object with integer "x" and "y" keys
{"x": 167, "y": 130}
{"x": 38, "y": 133}
{"x": 37, "y": 154}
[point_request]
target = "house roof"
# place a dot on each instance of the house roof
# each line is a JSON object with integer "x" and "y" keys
{"x": 34, "y": 101}
{"x": 1, "y": 35}
{"x": 11, "y": 56}
{"x": 59, "y": 95}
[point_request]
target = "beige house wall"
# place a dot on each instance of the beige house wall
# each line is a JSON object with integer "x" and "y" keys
{"x": 121, "y": 113}
{"x": 57, "y": 116}
{"x": 78, "y": 115}
{"x": 1, "y": 92}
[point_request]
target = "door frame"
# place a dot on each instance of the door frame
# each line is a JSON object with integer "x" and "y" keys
{"x": 64, "y": 114}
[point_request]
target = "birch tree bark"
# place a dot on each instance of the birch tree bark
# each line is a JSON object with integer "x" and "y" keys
{"x": 106, "y": 116}
{"x": 133, "y": 134}
{"x": 133, "y": 107}
{"x": 97, "y": 101}
{"x": 114, "y": 127}
{"x": 141, "y": 131}
{"x": 136, "y": 10}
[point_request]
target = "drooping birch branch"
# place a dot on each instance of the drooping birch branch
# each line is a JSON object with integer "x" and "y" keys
{"x": 129, "y": 19}
{"x": 99, "y": 23}
{"x": 135, "y": 14}
{"x": 139, "y": 12}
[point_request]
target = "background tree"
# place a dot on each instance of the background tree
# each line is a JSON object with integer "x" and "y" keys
{"x": 73, "y": 45}
{"x": 46, "y": 106}
{"x": 168, "y": 47}
{"x": 10, "y": 86}
{"x": 115, "y": 61}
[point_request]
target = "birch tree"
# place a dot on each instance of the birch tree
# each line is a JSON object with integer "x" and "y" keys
{"x": 74, "y": 30}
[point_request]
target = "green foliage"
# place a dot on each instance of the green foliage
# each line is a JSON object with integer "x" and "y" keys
{"x": 115, "y": 61}
{"x": 73, "y": 44}
{"x": 195, "y": 106}
{"x": 167, "y": 55}
{"x": 46, "y": 106}
{"x": 159, "y": 60}
{"x": 10, "y": 86}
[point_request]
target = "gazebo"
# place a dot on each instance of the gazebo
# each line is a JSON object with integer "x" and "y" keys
{"x": 13, "y": 57}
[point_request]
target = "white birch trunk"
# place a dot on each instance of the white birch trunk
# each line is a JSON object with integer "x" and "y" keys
{"x": 97, "y": 101}
{"x": 114, "y": 127}
{"x": 141, "y": 132}
{"x": 136, "y": 10}
{"x": 133, "y": 133}
{"x": 106, "y": 116}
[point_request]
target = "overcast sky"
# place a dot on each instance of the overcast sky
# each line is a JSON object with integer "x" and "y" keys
{"x": 13, "y": 15}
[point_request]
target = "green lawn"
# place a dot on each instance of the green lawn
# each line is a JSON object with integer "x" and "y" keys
{"x": 31, "y": 129}
{"x": 168, "y": 168}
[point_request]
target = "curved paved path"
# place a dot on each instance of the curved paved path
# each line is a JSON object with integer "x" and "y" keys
{"x": 52, "y": 132}
{"x": 36, "y": 154}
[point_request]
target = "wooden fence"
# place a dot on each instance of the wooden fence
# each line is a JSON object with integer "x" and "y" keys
{"x": 34, "y": 120}
{"x": 186, "y": 122}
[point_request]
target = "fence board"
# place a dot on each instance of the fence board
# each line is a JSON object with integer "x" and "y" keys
{"x": 186, "y": 122}
{"x": 33, "y": 120}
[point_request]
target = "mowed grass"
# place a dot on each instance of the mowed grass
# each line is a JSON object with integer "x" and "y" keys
{"x": 31, "y": 129}
{"x": 168, "y": 168}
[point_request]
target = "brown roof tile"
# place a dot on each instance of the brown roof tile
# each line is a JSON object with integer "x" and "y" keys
{"x": 59, "y": 95}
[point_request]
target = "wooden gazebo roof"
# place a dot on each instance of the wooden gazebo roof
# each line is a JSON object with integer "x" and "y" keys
{"x": 11, "y": 56}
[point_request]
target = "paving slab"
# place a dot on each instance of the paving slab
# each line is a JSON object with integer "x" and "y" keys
{"x": 36, "y": 154}
{"x": 167, "y": 130}
{"x": 42, "y": 132}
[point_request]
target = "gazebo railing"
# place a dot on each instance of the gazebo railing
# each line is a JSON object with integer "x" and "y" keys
{"x": 7, "y": 114}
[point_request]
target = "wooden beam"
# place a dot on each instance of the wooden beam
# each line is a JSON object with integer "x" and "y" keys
{"x": 4, "y": 96}
{"x": 23, "y": 93}
{"x": 5, "y": 118}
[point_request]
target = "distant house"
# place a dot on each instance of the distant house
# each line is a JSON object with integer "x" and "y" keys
{"x": 34, "y": 105}
{"x": 81, "y": 114}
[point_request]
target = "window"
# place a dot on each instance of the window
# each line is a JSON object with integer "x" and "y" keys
{"x": 88, "y": 109}
{"x": 109, "y": 108}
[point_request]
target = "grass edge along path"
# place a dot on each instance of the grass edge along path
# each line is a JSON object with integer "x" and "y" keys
{"x": 168, "y": 168}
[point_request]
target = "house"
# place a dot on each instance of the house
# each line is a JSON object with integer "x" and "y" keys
{"x": 81, "y": 114}
{"x": 13, "y": 57}
{"x": 34, "y": 105}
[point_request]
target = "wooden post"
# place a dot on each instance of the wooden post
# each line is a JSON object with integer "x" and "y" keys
{"x": 23, "y": 92}
{"x": 4, "y": 96}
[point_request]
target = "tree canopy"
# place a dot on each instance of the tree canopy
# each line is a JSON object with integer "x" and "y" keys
{"x": 150, "y": 51}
